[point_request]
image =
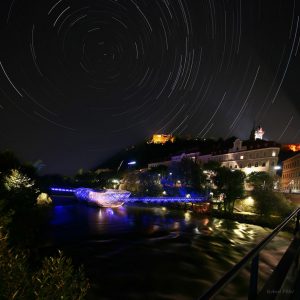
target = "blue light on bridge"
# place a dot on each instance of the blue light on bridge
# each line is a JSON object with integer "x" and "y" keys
{"x": 167, "y": 199}
{"x": 62, "y": 190}
{"x": 84, "y": 193}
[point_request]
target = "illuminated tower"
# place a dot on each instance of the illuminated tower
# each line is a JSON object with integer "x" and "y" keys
{"x": 259, "y": 132}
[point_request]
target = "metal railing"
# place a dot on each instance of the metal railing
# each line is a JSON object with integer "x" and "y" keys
{"x": 254, "y": 256}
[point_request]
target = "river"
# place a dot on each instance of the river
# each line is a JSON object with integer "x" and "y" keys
{"x": 156, "y": 252}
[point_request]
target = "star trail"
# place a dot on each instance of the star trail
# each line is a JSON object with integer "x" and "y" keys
{"x": 80, "y": 80}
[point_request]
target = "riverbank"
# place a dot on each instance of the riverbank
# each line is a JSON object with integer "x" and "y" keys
{"x": 205, "y": 209}
{"x": 293, "y": 197}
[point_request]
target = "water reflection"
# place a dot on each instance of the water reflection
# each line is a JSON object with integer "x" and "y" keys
{"x": 157, "y": 253}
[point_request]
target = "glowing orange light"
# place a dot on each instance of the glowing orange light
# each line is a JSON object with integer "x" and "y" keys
{"x": 162, "y": 138}
{"x": 294, "y": 147}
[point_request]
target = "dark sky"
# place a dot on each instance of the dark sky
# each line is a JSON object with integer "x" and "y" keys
{"x": 79, "y": 80}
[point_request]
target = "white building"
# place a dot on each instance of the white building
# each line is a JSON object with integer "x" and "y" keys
{"x": 193, "y": 156}
{"x": 257, "y": 156}
{"x": 166, "y": 163}
{"x": 254, "y": 155}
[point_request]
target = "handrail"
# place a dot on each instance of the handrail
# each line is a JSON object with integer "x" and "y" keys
{"x": 254, "y": 255}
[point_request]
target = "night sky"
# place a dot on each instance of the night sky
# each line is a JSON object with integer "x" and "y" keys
{"x": 80, "y": 80}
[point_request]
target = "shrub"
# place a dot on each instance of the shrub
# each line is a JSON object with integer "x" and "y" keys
{"x": 43, "y": 199}
{"x": 260, "y": 181}
{"x": 58, "y": 279}
{"x": 231, "y": 184}
{"x": 268, "y": 203}
{"x": 15, "y": 282}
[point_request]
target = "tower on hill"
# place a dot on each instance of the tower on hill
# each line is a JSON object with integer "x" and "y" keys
{"x": 257, "y": 133}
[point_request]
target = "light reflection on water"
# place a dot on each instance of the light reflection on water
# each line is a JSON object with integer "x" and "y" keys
{"x": 157, "y": 253}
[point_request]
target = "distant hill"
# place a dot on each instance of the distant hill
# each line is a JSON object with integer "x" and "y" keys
{"x": 145, "y": 153}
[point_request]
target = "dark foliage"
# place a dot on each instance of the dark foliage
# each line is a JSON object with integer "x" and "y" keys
{"x": 231, "y": 184}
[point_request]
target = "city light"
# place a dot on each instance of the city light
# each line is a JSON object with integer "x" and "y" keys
{"x": 249, "y": 201}
{"x": 187, "y": 216}
{"x": 166, "y": 199}
{"x": 131, "y": 163}
{"x": 62, "y": 190}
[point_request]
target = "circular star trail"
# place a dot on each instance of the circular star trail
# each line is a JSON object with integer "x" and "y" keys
{"x": 79, "y": 80}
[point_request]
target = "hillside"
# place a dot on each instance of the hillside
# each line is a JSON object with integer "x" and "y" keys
{"x": 145, "y": 153}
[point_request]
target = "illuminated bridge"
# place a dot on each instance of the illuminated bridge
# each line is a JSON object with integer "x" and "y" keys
{"x": 167, "y": 199}
{"x": 149, "y": 200}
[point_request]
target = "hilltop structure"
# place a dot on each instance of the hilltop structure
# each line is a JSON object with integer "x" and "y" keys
{"x": 257, "y": 133}
{"x": 291, "y": 147}
{"x": 162, "y": 138}
{"x": 253, "y": 155}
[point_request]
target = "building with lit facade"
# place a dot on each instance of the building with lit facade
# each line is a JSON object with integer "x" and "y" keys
{"x": 253, "y": 155}
{"x": 174, "y": 159}
{"x": 178, "y": 158}
{"x": 166, "y": 163}
{"x": 249, "y": 156}
{"x": 162, "y": 138}
{"x": 290, "y": 180}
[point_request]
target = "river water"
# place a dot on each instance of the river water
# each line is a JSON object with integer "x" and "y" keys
{"x": 157, "y": 253}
